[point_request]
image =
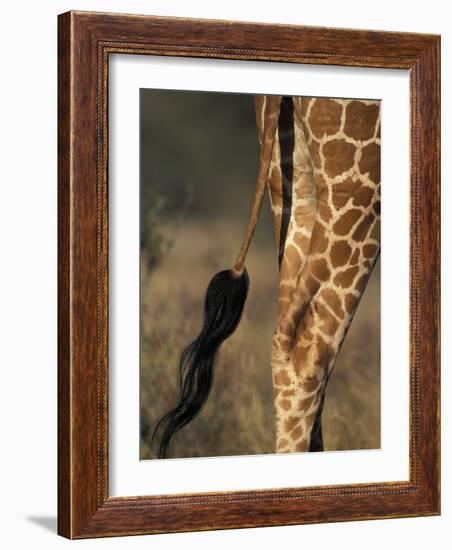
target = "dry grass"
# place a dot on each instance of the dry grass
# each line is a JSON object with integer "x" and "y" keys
{"x": 238, "y": 418}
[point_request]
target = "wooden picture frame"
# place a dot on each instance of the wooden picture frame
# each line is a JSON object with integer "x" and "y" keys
{"x": 85, "y": 42}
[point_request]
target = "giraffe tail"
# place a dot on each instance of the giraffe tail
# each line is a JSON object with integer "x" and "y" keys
{"x": 223, "y": 307}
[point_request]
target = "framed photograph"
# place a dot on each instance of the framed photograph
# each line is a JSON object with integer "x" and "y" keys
{"x": 248, "y": 275}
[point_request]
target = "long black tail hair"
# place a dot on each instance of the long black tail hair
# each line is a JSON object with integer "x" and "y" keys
{"x": 223, "y": 307}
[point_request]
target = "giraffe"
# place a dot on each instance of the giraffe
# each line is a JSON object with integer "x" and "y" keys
{"x": 320, "y": 160}
{"x": 324, "y": 186}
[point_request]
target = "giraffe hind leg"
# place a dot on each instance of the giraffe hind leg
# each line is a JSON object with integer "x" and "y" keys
{"x": 316, "y": 440}
{"x": 316, "y": 443}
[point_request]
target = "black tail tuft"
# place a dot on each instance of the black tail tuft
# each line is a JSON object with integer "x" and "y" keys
{"x": 225, "y": 298}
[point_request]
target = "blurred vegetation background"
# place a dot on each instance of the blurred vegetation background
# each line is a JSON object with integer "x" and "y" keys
{"x": 198, "y": 163}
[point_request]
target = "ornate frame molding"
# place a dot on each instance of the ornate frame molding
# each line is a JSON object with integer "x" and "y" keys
{"x": 85, "y": 42}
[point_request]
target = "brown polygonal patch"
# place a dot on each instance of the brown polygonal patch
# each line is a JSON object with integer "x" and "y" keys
{"x": 332, "y": 299}
{"x": 363, "y": 228}
{"x": 325, "y": 117}
{"x": 324, "y": 211}
{"x": 312, "y": 285}
{"x": 360, "y": 120}
{"x": 345, "y": 223}
{"x": 319, "y": 269}
{"x": 319, "y": 240}
{"x": 309, "y": 420}
{"x": 291, "y": 422}
{"x": 343, "y": 191}
{"x": 329, "y": 323}
{"x": 355, "y": 257}
{"x": 295, "y": 434}
{"x": 305, "y": 404}
{"x": 361, "y": 282}
{"x": 345, "y": 278}
{"x": 300, "y": 358}
{"x": 350, "y": 301}
{"x": 363, "y": 197}
{"x": 282, "y": 378}
{"x": 285, "y": 404}
{"x": 301, "y": 241}
{"x": 370, "y": 161}
{"x": 310, "y": 383}
{"x": 339, "y": 157}
{"x": 340, "y": 253}
{"x": 302, "y": 446}
{"x": 369, "y": 250}
{"x": 288, "y": 393}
